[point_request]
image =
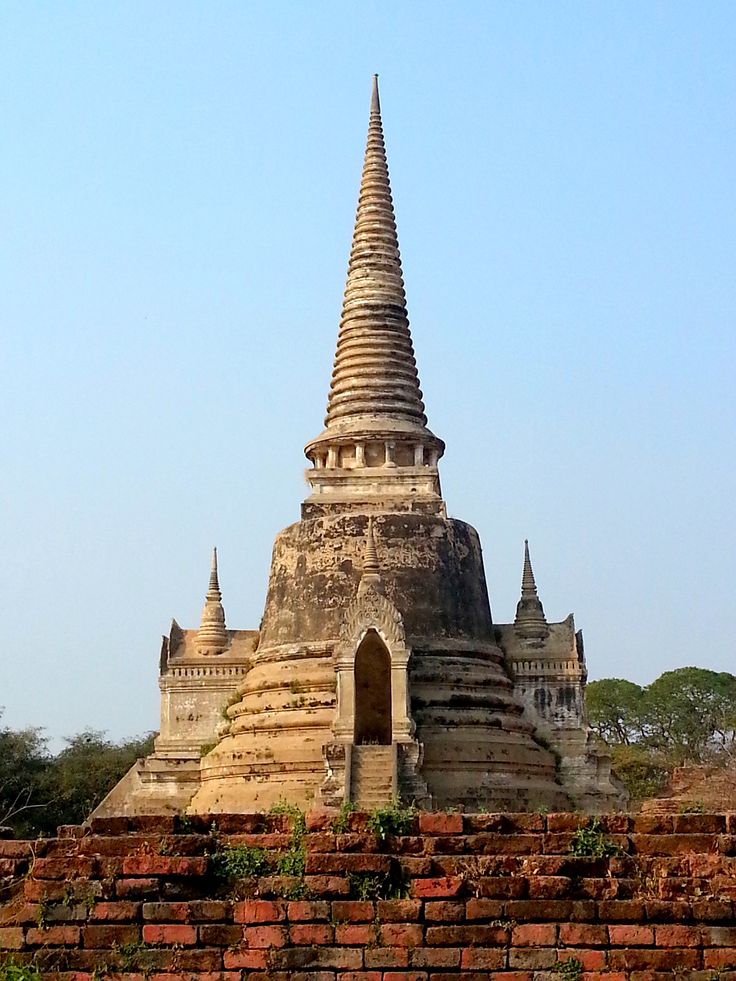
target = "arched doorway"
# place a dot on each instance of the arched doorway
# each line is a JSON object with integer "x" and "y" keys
{"x": 372, "y": 692}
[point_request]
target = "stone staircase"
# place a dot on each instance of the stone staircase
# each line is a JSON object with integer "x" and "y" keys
{"x": 371, "y": 776}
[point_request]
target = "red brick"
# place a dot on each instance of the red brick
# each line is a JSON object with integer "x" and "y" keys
{"x": 353, "y": 912}
{"x": 161, "y": 823}
{"x": 361, "y": 976}
{"x": 652, "y": 824}
{"x": 631, "y": 936}
{"x": 355, "y": 934}
{"x": 416, "y": 867}
{"x": 484, "y": 909}
{"x": 508, "y": 823}
{"x": 305, "y": 934}
{"x": 35, "y": 890}
{"x": 386, "y": 956}
{"x": 264, "y": 936}
{"x": 109, "y": 826}
{"x": 558, "y": 843}
{"x": 548, "y": 886}
{"x": 120, "y": 912}
{"x": 677, "y": 936}
{"x": 11, "y": 938}
{"x": 169, "y": 933}
{"x": 438, "y": 888}
{"x": 358, "y": 842}
{"x": 166, "y": 912}
{"x": 659, "y": 911}
{"x": 615, "y": 824}
{"x": 713, "y": 910}
{"x": 247, "y": 959}
{"x": 55, "y": 936}
{"x": 306, "y": 911}
{"x": 444, "y": 912}
{"x": 483, "y": 959}
{"x": 326, "y": 885}
{"x": 220, "y": 935}
{"x": 401, "y": 934}
{"x": 501, "y": 887}
{"x": 136, "y": 887}
{"x": 459, "y": 936}
{"x": 190, "y": 959}
{"x": 321, "y": 820}
{"x": 405, "y": 976}
{"x": 564, "y": 821}
{"x": 440, "y": 824}
{"x": 209, "y": 910}
{"x": 164, "y": 865}
{"x": 720, "y": 957}
{"x": 399, "y": 910}
{"x": 592, "y": 960}
{"x": 536, "y": 958}
{"x": 516, "y": 976}
{"x": 321, "y": 864}
{"x": 501, "y": 844}
{"x": 699, "y": 823}
{"x": 435, "y": 957}
{"x": 575, "y": 911}
{"x": 110, "y": 935}
{"x": 16, "y": 849}
{"x": 71, "y": 867}
{"x": 673, "y": 844}
{"x": 346, "y": 958}
{"x": 718, "y": 936}
{"x": 583, "y": 935}
{"x": 643, "y": 959}
{"x": 620, "y": 911}
{"x": 534, "y": 935}
{"x": 259, "y": 911}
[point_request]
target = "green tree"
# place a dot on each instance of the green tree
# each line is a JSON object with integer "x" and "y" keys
{"x": 615, "y": 710}
{"x": 82, "y": 774}
{"x": 686, "y": 716}
{"x": 39, "y": 791}
{"x": 690, "y": 713}
{"x": 644, "y": 771}
{"x": 23, "y": 760}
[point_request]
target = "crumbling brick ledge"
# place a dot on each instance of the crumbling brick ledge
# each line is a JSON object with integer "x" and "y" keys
{"x": 499, "y": 896}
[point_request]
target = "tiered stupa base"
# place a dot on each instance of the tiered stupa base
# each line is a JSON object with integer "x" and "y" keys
{"x": 461, "y": 724}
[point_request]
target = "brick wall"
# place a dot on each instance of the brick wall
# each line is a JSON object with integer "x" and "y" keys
{"x": 485, "y": 896}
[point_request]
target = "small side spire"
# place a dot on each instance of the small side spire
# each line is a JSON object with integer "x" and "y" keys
{"x": 212, "y": 637}
{"x": 529, "y": 609}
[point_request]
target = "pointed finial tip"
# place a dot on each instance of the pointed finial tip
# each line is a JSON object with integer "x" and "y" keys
{"x": 526, "y": 541}
{"x": 375, "y": 102}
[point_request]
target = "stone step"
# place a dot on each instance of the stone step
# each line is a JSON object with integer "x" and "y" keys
{"x": 371, "y": 776}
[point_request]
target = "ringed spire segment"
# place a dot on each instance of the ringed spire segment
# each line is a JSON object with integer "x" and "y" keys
{"x": 212, "y": 636}
{"x": 375, "y": 413}
{"x": 529, "y": 609}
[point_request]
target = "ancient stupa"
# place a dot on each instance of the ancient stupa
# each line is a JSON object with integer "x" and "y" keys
{"x": 377, "y": 672}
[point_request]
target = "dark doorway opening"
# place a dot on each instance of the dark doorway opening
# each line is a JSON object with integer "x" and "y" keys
{"x": 372, "y": 692}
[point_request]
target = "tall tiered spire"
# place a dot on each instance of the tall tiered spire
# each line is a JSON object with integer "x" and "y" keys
{"x": 375, "y": 413}
{"x": 212, "y": 637}
{"x": 529, "y": 609}
{"x": 375, "y": 370}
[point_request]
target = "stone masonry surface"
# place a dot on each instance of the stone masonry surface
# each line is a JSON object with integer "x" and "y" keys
{"x": 487, "y": 896}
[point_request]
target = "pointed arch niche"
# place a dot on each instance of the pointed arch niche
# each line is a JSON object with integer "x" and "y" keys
{"x": 372, "y": 684}
{"x": 372, "y": 662}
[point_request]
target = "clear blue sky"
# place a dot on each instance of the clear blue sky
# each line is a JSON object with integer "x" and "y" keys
{"x": 177, "y": 188}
